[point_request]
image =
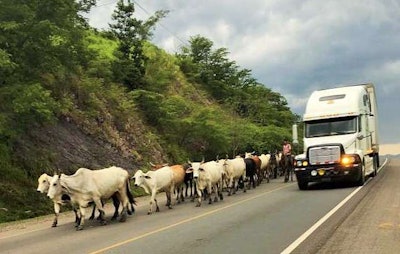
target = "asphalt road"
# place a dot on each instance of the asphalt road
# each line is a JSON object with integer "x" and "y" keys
{"x": 267, "y": 219}
{"x": 369, "y": 223}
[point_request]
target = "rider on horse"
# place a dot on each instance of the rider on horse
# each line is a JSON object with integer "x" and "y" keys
{"x": 287, "y": 157}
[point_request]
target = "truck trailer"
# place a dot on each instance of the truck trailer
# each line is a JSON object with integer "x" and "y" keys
{"x": 340, "y": 136}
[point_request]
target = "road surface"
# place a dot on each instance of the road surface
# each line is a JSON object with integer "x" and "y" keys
{"x": 267, "y": 219}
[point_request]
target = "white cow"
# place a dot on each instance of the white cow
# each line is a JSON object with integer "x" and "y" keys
{"x": 155, "y": 181}
{"x": 234, "y": 170}
{"x": 265, "y": 169}
{"x": 179, "y": 174}
{"x": 207, "y": 175}
{"x": 59, "y": 200}
{"x": 64, "y": 199}
{"x": 87, "y": 186}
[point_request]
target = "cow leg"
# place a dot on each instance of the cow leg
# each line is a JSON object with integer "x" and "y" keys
{"x": 121, "y": 197}
{"x": 220, "y": 194}
{"x": 77, "y": 218}
{"x": 116, "y": 206}
{"x": 182, "y": 197}
{"x": 230, "y": 186}
{"x": 234, "y": 186}
{"x": 82, "y": 218}
{"x": 56, "y": 213}
{"x": 153, "y": 200}
{"x": 169, "y": 199}
{"x": 209, "y": 190}
{"x": 93, "y": 213}
{"x": 199, "y": 197}
{"x": 186, "y": 188}
{"x": 216, "y": 192}
{"x": 100, "y": 207}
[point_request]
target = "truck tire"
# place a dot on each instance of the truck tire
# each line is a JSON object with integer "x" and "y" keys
{"x": 303, "y": 185}
{"x": 361, "y": 179}
{"x": 375, "y": 165}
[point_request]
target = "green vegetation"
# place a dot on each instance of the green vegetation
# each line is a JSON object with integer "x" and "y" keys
{"x": 74, "y": 97}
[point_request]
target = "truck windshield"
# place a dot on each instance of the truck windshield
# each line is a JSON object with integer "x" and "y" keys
{"x": 330, "y": 127}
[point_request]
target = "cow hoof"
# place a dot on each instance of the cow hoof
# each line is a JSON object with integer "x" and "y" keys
{"x": 122, "y": 219}
{"x": 79, "y": 228}
{"x": 54, "y": 225}
{"x": 215, "y": 199}
{"x": 198, "y": 205}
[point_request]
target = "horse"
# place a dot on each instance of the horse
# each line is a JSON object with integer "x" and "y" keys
{"x": 273, "y": 165}
{"x": 287, "y": 167}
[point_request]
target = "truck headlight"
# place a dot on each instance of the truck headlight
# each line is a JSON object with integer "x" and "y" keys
{"x": 349, "y": 159}
{"x": 301, "y": 163}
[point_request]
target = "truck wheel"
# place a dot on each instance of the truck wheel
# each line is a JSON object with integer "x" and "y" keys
{"x": 303, "y": 185}
{"x": 375, "y": 165}
{"x": 361, "y": 179}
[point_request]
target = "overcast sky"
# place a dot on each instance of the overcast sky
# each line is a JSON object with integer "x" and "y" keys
{"x": 292, "y": 46}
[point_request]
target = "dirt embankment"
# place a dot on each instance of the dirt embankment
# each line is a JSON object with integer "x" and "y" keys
{"x": 67, "y": 146}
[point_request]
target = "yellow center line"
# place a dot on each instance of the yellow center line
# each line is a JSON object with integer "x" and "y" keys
{"x": 187, "y": 220}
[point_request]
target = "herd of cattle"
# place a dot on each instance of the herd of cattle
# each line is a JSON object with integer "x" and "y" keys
{"x": 201, "y": 179}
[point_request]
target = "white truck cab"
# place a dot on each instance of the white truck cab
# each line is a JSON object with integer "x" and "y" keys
{"x": 340, "y": 136}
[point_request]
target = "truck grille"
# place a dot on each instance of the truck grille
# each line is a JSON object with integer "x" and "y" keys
{"x": 324, "y": 155}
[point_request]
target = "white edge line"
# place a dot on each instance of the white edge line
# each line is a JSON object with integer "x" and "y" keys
{"x": 306, "y": 234}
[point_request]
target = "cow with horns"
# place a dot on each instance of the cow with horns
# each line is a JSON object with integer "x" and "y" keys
{"x": 87, "y": 186}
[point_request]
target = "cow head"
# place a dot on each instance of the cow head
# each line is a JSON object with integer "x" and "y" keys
{"x": 139, "y": 178}
{"x": 43, "y": 183}
{"x": 55, "y": 188}
{"x": 195, "y": 168}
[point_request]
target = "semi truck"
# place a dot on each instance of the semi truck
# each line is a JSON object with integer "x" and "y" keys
{"x": 341, "y": 141}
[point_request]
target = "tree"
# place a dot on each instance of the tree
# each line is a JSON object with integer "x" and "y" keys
{"x": 43, "y": 36}
{"x": 129, "y": 68}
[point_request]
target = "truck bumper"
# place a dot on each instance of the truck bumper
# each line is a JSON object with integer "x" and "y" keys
{"x": 331, "y": 173}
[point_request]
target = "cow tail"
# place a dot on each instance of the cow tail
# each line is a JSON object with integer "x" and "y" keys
{"x": 129, "y": 193}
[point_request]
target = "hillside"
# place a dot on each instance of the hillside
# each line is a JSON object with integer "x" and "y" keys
{"x": 74, "y": 97}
